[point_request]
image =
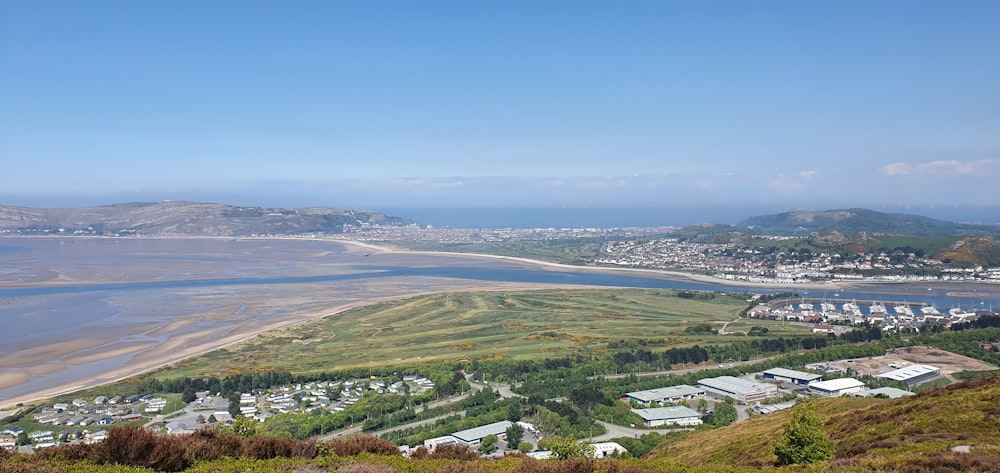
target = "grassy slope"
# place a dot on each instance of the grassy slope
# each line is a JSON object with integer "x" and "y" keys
{"x": 526, "y": 324}
{"x": 870, "y": 434}
{"x": 911, "y": 434}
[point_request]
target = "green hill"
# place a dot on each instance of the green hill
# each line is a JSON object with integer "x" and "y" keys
{"x": 799, "y": 222}
{"x": 910, "y": 434}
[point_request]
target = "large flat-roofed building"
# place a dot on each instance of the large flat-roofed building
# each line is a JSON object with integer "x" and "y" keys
{"x": 792, "y": 376}
{"x": 837, "y": 387}
{"x": 668, "y": 416}
{"x": 741, "y": 390}
{"x": 475, "y": 436}
{"x": 678, "y": 393}
{"x": 913, "y": 374}
{"x": 891, "y": 393}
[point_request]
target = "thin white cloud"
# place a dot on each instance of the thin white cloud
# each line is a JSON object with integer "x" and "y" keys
{"x": 948, "y": 167}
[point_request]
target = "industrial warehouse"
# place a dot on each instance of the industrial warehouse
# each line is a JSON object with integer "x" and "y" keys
{"x": 791, "y": 376}
{"x": 741, "y": 390}
{"x": 677, "y": 415}
{"x": 913, "y": 375}
{"x": 669, "y": 394}
{"x": 837, "y": 387}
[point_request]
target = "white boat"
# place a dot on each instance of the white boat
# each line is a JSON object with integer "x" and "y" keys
{"x": 851, "y": 308}
{"x": 930, "y": 310}
{"x": 903, "y": 310}
{"x": 877, "y": 308}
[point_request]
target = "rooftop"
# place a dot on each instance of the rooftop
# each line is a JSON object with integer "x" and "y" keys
{"x": 734, "y": 385}
{"x": 786, "y": 373}
{"x": 837, "y": 384}
{"x": 892, "y": 393}
{"x": 910, "y": 372}
{"x": 659, "y": 413}
{"x": 667, "y": 392}
{"x": 477, "y": 433}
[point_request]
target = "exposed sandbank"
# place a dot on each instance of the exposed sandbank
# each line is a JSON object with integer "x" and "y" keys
{"x": 206, "y": 330}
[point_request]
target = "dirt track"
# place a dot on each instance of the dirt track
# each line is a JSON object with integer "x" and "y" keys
{"x": 948, "y": 362}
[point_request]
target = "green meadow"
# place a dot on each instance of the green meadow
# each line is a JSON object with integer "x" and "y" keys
{"x": 480, "y": 325}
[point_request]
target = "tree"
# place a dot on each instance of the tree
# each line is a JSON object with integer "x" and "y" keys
{"x": 200, "y": 419}
{"x": 514, "y": 435}
{"x": 566, "y": 447}
{"x": 525, "y": 447}
{"x": 244, "y": 427}
{"x": 212, "y": 419}
{"x": 702, "y": 405}
{"x": 514, "y": 410}
{"x": 488, "y": 444}
{"x": 804, "y": 440}
{"x": 724, "y": 414}
{"x": 188, "y": 395}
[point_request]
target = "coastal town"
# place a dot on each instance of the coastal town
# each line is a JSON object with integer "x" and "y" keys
{"x": 655, "y": 248}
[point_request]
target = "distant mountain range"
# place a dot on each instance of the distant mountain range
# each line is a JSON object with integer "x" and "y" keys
{"x": 185, "y": 218}
{"x": 848, "y": 221}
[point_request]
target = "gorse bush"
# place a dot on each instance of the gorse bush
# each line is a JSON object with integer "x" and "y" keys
{"x": 804, "y": 440}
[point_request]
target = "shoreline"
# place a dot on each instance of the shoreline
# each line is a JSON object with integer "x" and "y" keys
{"x": 177, "y": 346}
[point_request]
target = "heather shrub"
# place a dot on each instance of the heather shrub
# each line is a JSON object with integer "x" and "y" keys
{"x": 168, "y": 454}
{"x": 128, "y": 445}
{"x": 462, "y": 467}
{"x": 420, "y": 453}
{"x": 365, "y": 443}
{"x": 71, "y": 452}
{"x": 572, "y": 465}
{"x": 210, "y": 444}
{"x": 365, "y": 468}
{"x": 262, "y": 448}
{"x": 453, "y": 452}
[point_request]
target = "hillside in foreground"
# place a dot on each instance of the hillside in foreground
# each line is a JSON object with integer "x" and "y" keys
{"x": 918, "y": 433}
{"x": 909, "y": 434}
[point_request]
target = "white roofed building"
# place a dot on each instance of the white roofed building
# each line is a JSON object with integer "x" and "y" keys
{"x": 913, "y": 374}
{"x": 677, "y": 393}
{"x": 474, "y": 436}
{"x": 889, "y": 392}
{"x": 669, "y": 416}
{"x": 607, "y": 449}
{"x": 792, "y": 376}
{"x": 837, "y": 387}
{"x": 741, "y": 390}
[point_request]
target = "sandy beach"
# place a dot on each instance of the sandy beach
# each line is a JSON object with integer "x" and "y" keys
{"x": 165, "y": 326}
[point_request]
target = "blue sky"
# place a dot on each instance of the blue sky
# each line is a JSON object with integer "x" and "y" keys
{"x": 537, "y": 103}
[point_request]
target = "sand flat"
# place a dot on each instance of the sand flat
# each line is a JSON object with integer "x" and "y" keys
{"x": 169, "y": 299}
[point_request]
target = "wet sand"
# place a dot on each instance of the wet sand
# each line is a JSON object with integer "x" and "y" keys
{"x": 140, "y": 332}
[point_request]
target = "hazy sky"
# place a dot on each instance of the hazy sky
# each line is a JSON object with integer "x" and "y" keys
{"x": 369, "y": 104}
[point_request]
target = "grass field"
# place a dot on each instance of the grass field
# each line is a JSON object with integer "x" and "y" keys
{"x": 476, "y": 325}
